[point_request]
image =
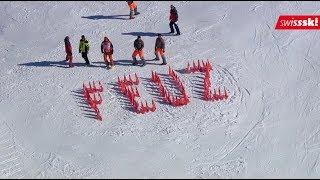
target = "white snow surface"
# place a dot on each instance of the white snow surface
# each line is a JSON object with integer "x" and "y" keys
{"x": 268, "y": 128}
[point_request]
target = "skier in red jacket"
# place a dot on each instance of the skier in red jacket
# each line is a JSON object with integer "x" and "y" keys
{"x": 68, "y": 50}
{"x": 174, "y": 20}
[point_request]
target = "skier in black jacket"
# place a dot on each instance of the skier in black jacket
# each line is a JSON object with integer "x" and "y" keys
{"x": 138, "y": 50}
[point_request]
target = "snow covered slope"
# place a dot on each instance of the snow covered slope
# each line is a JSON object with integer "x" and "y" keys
{"x": 268, "y": 128}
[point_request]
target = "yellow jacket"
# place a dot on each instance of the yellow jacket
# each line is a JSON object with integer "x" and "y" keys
{"x": 84, "y": 46}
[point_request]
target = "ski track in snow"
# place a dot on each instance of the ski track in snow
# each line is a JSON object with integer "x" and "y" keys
{"x": 11, "y": 162}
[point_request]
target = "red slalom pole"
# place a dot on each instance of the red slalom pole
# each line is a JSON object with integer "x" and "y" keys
{"x": 142, "y": 108}
{"x": 188, "y": 68}
{"x": 137, "y": 92}
{"x": 153, "y": 108}
{"x": 91, "y": 90}
{"x": 152, "y": 76}
{"x": 210, "y": 66}
{"x": 101, "y": 87}
{"x": 125, "y": 79}
{"x": 225, "y": 94}
{"x": 220, "y": 95}
{"x": 137, "y": 79}
{"x": 147, "y": 107}
{"x": 215, "y": 95}
{"x": 194, "y": 67}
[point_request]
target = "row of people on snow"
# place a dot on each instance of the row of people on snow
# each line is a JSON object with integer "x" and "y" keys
{"x": 107, "y": 47}
{"x": 107, "y": 50}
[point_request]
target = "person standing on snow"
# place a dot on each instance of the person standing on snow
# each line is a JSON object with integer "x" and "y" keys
{"x": 160, "y": 49}
{"x": 68, "y": 49}
{"x": 133, "y": 8}
{"x": 107, "y": 50}
{"x": 138, "y": 46}
{"x": 174, "y": 20}
{"x": 84, "y": 49}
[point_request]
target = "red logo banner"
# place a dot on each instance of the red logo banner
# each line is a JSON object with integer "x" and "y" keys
{"x": 305, "y": 22}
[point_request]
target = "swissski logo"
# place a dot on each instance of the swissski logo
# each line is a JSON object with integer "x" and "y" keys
{"x": 304, "y": 22}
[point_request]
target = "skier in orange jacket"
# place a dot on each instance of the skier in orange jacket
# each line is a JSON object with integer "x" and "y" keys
{"x": 133, "y": 8}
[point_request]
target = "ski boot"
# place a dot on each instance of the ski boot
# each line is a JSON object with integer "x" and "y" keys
{"x": 135, "y": 62}
{"x": 143, "y": 62}
{"x": 164, "y": 61}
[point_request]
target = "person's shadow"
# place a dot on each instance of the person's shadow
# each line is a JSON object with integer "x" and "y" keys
{"x": 62, "y": 64}
{"x": 118, "y": 62}
{"x": 97, "y": 17}
{"x": 150, "y": 34}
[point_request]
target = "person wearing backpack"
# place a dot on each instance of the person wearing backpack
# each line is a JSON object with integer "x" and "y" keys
{"x": 138, "y": 50}
{"x": 160, "y": 49}
{"x": 174, "y": 20}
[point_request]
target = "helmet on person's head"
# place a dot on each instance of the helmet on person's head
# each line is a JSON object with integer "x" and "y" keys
{"x": 171, "y": 6}
{"x": 66, "y": 39}
{"x": 159, "y": 35}
{"x": 82, "y": 37}
{"x": 139, "y": 37}
{"x": 106, "y": 38}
